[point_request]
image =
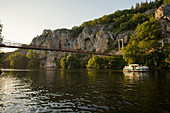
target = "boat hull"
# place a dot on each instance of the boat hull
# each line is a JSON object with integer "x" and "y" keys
{"x": 135, "y": 70}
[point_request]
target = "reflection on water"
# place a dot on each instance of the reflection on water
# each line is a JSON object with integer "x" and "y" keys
{"x": 83, "y": 90}
{"x": 135, "y": 76}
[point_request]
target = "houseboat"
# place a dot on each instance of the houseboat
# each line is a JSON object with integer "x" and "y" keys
{"x": 135, "y": 68}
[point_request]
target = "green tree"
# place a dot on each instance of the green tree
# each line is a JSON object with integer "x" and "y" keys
{"x": 18, "y": 61}
{"x": 149, "y": 30}
{"x": 132, "y": 7}
{"x": 46, "y": 32}
{"x": 76, "y": 31}
{"x": 73, "y": 61}
{"x": 33, "y": 54}
{"x": 105, "y": 19}
{"x": 144, "y": 44}
{"x": 166, "y": 2}
{"x": 167, "y": 60}
{"x": 64, "y": 63}
{"x": 33, "y": 59}
{"x": 110, "y": 62}
{"x": 1, "y": 59}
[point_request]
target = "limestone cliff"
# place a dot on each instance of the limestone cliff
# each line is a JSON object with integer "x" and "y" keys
{"x": 163, "y": 13}
{"x": 94, "y": 38}
{"x": 99, "y": 38}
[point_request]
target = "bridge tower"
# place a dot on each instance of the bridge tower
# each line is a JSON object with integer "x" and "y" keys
{"x": 1, "y": 37}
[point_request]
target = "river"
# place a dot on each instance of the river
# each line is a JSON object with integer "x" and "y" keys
{"x": 84, "y": 90}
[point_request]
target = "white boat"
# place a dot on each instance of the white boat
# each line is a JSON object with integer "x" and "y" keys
{"x": 135, "y": 68}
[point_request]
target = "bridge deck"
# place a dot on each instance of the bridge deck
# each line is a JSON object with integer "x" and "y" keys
{"x": 52, "y": 49}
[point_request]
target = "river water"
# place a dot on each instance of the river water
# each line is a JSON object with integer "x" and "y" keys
{"x": 83, "y": 90}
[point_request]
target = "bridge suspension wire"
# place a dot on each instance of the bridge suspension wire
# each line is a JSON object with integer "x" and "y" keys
{"x": 6, "y": 40}
{"x": 12, "y": 43}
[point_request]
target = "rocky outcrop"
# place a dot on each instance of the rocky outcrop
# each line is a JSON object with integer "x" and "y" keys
{"x": 93, "y": 38}
{"x": 97, "y": 38}
{"x": 163, "y": 14}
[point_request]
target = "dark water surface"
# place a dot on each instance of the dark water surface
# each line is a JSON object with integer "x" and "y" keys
{"x": 81, "y": 90}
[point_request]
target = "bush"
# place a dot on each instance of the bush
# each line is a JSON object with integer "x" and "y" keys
{"x": 76, "y": 31}
{"x": 70, "y": 61}
{"x": 166, "y": 2}
{"x": 114, "y": 62}
{"x": 18, "y": 61}
{"x": 34, "y": 63}
{"x": 63, "y": 63}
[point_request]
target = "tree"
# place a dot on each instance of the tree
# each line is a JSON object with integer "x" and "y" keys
{"x": 33, "y": 59}
{"x": 18, "y": 61}
{"x": 72, "y": 61}
{"x": 144, "y": 44}
{"x": 46, "y": 32}
{"x": 63, "y": 63}
{"x": 1, "y": 59}
{"x": 149, "y": 30}
{"x": 105, "y": 19}
{"x": 132, "y": 7}
{"x": 137, "y": 5}
{"x": 33, "y": 54}
{"x": 168, "y": 59}
{"x": 166, "y": 2}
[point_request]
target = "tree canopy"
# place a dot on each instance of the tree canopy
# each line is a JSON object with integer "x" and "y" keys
{"x": 143, "y": 46}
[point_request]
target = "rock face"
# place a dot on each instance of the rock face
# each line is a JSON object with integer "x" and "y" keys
{"x": 163, "y": 13}
{"x": 96, "y": 38}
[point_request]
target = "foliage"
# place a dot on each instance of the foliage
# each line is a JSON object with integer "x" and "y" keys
{"x": 1, "y": 59}
{"x": 134, "y": 21}
{"x": 121, "y": 18}
{"x": 18, "y": 61}
{"x": 57, "y": 61}
{"x": 45, "y": 53}
{"x": 149, "y": 30}
{"x": 114, "y": 62}
{"x": 168, "y": 59}
{"x": 143, "y": 47}
{"x": 63, "y": 63}
{"x": 34, "y": 63}
{"x": 76, "y": 31}
{"x": 71, "y": 61}
{"x": 166, "y": 2}
{"x": 32, "y": 54}
{"x": 33, "y": 59}
{"x": 46, "y": 32}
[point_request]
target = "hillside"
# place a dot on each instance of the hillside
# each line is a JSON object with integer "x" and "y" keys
{"x": 102, "y": 34}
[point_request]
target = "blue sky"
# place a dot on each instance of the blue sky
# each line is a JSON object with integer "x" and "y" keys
{"x": 25, "y": 19}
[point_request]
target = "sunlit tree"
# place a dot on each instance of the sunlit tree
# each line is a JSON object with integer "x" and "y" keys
{"x": 18, "y": 61}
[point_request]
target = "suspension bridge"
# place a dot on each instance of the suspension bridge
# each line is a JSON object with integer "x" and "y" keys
{"x": 11, "y": 44}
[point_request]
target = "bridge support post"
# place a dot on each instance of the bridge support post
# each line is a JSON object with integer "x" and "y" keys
{"x": 118, "y": 45}
{"x": 122, "y": 43}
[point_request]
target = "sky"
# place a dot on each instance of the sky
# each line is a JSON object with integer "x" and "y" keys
{"x": 25, "y": 19}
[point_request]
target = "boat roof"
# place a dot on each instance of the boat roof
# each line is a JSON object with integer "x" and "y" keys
{"x": 133, "y": 64}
